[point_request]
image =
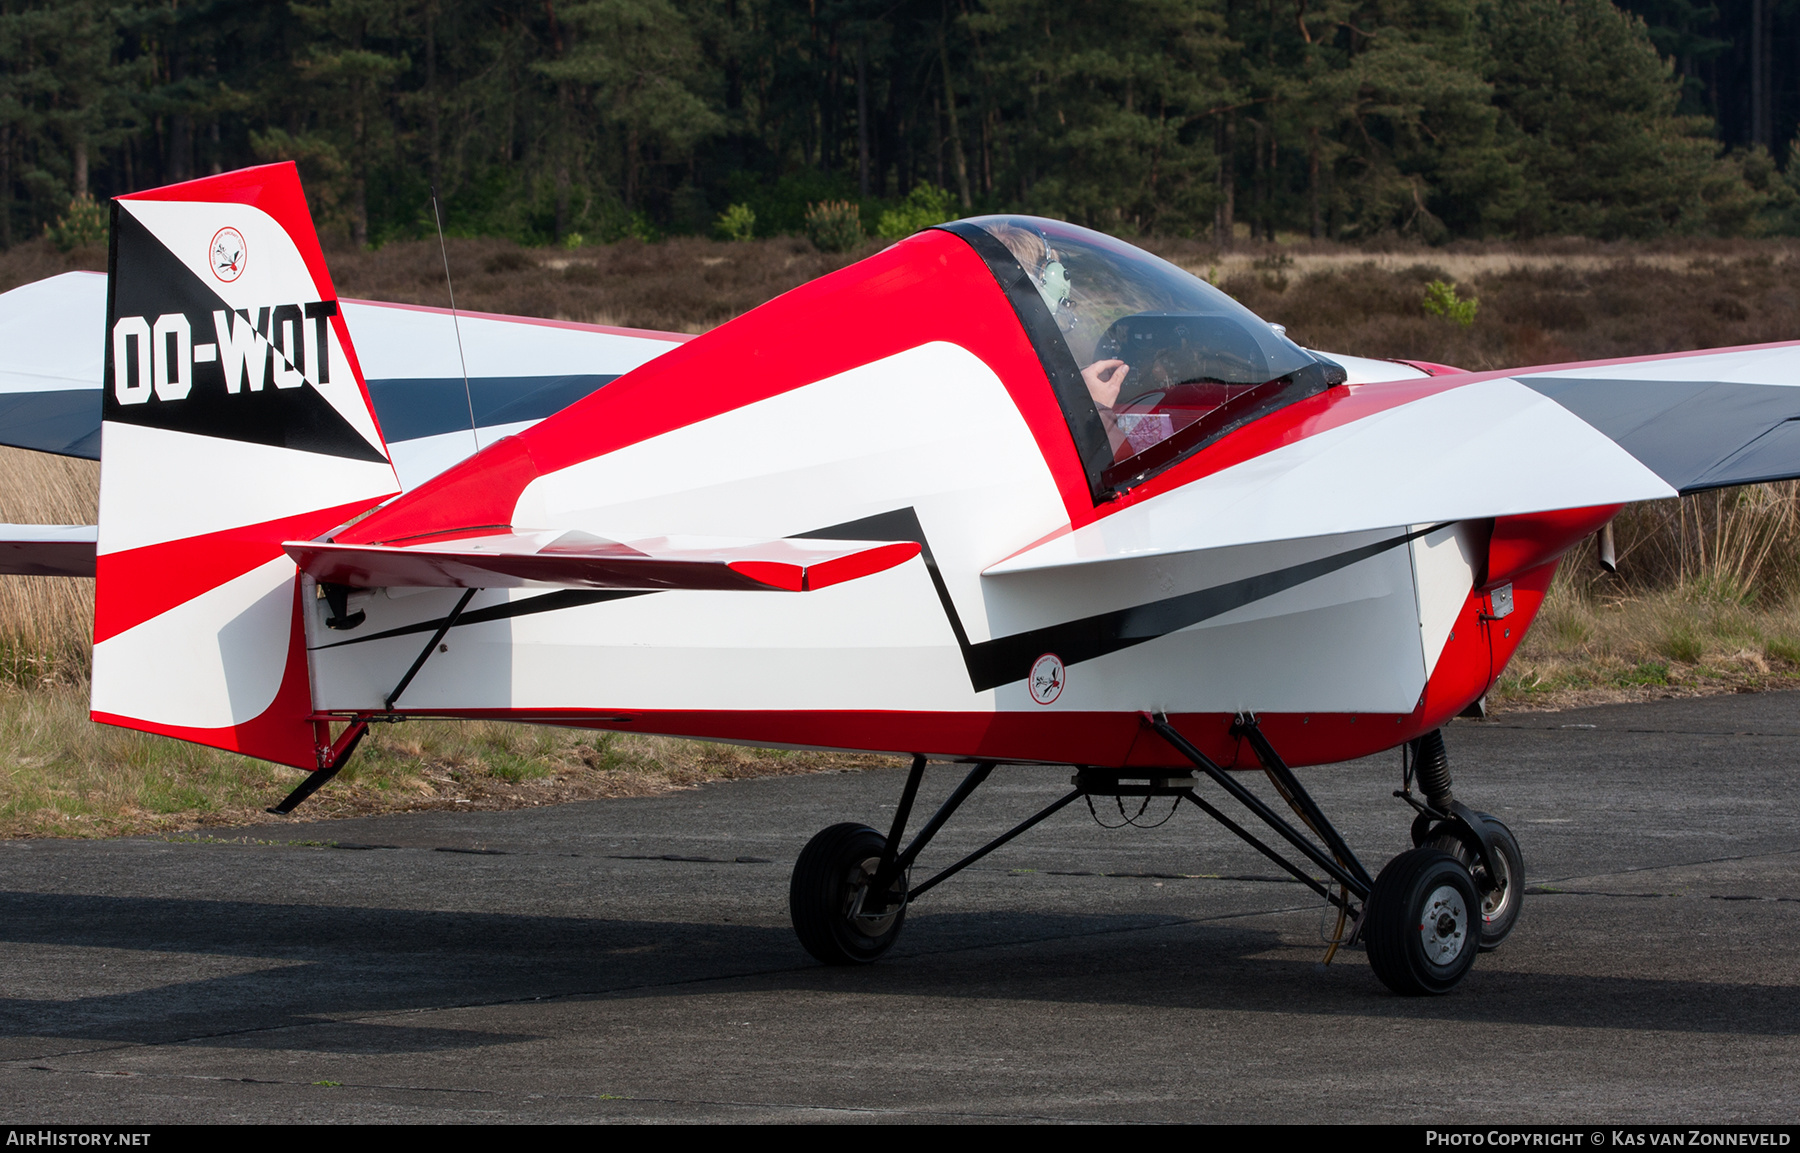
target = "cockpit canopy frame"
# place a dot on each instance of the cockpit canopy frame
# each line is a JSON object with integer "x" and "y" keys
{"x": 1196, "y": 363}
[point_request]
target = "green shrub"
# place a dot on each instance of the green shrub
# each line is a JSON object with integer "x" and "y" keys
{"x": 834, "y": 225}
{"x": 1441, "y": 300}
{"x": 923, "y": 207}
{"x": 1783, "y": 649}
{"x": 1681, "y": 643}
{"x": 1646, "y": 673}
{"x": 635, "y": 226}
{"x": 83, "y": 223}
{"x": 737, "y": 222}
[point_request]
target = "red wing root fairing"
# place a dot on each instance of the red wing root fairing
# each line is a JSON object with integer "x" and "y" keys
{"x": 1049, "y": 499}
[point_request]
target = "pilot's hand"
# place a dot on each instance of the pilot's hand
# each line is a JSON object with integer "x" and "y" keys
{"x": 1104, "y": 378}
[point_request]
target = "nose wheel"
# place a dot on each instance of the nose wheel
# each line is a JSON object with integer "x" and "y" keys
{"x": 1501, "y": 896}
{"x": 1424, "y": 923}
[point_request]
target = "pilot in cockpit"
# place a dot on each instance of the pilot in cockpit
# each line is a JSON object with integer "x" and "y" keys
{"x": 1104, "y": 377}
{"x": 1160, "y": 351}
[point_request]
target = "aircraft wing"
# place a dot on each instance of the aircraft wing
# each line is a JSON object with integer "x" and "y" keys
{"x": 1698, "y": 420}
{"x": 54, "y": 333}
{"x": 1450, "y": 448}
{"x": 47, "y": 549}
{"x": 520, "y": 370}
{"x": 580, "y": 560}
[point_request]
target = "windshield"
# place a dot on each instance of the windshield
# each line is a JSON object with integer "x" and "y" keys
{"x": 1150, "y": 362}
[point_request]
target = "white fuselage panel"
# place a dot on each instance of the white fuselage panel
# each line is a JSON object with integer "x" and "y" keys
{"x": 960, "y": 457}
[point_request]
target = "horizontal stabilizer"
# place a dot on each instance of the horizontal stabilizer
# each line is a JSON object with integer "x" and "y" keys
{"x": 47, "y": 549}
{"x": 580, "y": 560}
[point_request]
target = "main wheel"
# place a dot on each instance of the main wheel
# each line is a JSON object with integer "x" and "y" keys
{"x": 1422, "y": 923}
{"x": 829, "y": 890}
{"x": 1499, "y": 906}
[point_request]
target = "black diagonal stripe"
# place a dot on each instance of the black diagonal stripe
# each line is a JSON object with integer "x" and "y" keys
{"x": 1007, "y": 659}
{"x": 547, "y": 603}
{"x": 148, "y": 281}
{"x": 1003, "y": 660}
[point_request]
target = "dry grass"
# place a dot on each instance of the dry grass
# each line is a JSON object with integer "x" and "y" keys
{"x": 46, "y": 623}
{"x": 64, "y": 776}
{"x": 1588, "y": 649}
{"x": 1706, "y": 599}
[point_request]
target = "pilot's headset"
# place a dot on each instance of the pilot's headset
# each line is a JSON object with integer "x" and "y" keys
{"x": 1046, "y": 273}
{"x": 1053, "y": 282}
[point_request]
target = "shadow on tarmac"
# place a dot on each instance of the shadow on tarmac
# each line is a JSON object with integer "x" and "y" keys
{"x": 319, "y": 962}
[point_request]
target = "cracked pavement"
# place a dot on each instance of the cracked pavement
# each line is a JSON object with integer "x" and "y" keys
{"x": 631, "y": 959}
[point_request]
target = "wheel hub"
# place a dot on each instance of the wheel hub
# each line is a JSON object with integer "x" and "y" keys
{"x": 1444, "y": 925}
{"x": 872, "y": 924}
{"x": 1495, "y": 891}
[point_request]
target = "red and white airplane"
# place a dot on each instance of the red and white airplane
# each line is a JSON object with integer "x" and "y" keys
{"x": 1010, "y": 491}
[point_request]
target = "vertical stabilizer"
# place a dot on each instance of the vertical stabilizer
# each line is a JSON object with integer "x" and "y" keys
{"x": 235, "y": 417}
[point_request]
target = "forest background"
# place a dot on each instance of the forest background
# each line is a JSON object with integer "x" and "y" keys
{"x": 551, "y": 120}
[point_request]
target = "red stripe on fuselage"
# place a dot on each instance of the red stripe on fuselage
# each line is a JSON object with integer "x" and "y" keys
{"x": 931, "y": 287}
{"x": 137, "y": 584}
{"x": 281, "y": 733}
{"x": 1063, "y": 738}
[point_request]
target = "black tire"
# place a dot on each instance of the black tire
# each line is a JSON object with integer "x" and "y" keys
{"x": 1499, "y": 909}
{"x": 1421, "y": 923}
{"x": 833, "y": 870}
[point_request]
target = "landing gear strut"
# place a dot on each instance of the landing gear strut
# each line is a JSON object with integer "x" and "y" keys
{"x": 1480, "y": 841}
{"x": 1423, "y": 919}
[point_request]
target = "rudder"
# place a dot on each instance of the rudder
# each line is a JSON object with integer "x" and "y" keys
{"x": 234, "y": 417}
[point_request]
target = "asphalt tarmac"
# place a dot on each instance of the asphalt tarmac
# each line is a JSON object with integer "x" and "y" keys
{"x": 631, "y": 960}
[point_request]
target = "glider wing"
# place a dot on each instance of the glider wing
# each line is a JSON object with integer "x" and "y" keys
{"x": 520, "y": 370}
{"x": 47, "y": 549}
{"x": 54, "y": 333}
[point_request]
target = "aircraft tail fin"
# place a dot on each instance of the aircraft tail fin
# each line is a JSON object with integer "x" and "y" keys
{"x": 234, "y": 418}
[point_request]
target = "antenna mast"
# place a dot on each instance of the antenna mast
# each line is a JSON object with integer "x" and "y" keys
{"x": 455, "y": 323}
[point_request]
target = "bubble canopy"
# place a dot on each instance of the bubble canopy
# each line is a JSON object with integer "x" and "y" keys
{"x": 1149, "y": 362}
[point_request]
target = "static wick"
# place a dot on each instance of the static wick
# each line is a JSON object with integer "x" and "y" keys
{"x": 455, "y": 323}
